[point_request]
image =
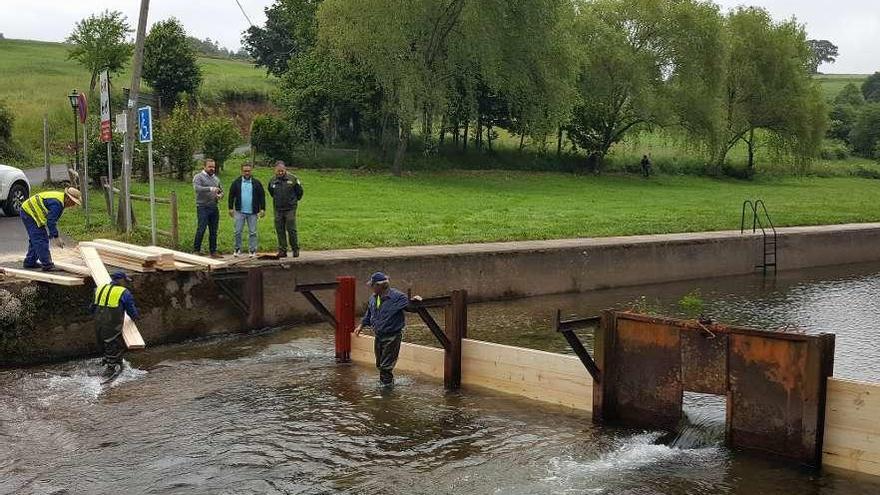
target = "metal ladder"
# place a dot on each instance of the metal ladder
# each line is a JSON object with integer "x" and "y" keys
{"x": 768, "y": 231}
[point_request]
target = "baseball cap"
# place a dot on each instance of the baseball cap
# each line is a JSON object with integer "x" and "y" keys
{"x": 377, "y": 278}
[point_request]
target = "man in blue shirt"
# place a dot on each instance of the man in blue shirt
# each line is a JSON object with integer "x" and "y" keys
{"x": 112, "y": 302}
{"x": 385, "y": 314}
{"x": 247, "y": 201}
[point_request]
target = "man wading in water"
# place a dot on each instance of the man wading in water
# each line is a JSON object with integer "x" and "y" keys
{"x": 112, "y": 302}
{"x": 385, "y": 315}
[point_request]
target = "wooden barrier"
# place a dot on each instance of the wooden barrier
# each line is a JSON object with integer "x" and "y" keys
{"x": 413, "y": 358}
{"x": 852, "y": 426}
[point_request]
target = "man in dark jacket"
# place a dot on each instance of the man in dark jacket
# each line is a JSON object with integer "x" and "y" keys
{"x": 385, "y": 314}
{"x": 247, "y": 201}
{"x": 286, "y": 191}
{"x": 112, "y": 302}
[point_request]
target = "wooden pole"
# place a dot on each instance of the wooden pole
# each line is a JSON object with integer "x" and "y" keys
{"x": 136, "y": 68}
{"x": 85, "y": 178}
{"x": 345, "y": 303}
{"x": 152, "y": 191}
{"x": 175, "y": 232}
{"x": 46, "y": 148}
{"x": 456, "y": 330}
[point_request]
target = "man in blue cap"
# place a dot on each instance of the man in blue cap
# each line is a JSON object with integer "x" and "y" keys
{"x": 385, "y": 314}
{"x": 112, "y": 302}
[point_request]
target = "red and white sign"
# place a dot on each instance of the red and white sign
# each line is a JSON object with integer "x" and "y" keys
{"x": 106, "y": 132}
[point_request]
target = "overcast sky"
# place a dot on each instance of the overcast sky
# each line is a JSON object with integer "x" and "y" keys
{"x": 853, "y": 25}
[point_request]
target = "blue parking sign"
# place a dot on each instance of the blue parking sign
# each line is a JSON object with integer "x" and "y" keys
{"x": 145, "y": 124}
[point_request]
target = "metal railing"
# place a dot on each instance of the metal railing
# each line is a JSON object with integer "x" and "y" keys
{"x": 761, "y": 220}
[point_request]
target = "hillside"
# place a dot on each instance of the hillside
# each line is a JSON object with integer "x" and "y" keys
{"x": 36, "y": 76}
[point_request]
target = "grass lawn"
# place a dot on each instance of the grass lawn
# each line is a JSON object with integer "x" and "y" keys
{"x": 36, "y": 76}
{"x": 343, "y": 209}
{"x": 833, "y": 83}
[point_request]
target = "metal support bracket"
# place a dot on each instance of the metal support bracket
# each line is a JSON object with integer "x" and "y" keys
{"x": 307, "y": 291}
{"x": 567, "y": 328}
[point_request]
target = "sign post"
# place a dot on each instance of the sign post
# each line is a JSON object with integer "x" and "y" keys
{"x": 145, "y": 135}
{"x": 122, "y": 128}
{"x": 106, "y": 132}
{"x": 83, "y": 110}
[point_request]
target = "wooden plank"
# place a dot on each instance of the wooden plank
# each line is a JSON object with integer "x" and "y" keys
{"x": 413, "y": 358}
{"x": 127, "y": 264}
{"x": 188, "y": 258}
{"x": 166, "y": 260}
{"x": 74, "y": 268}
{"x": 101, "y": 276}
{"x": 41, "y": 276}
{"x": 122, "y": 252}
{"x": 852, "y": 430}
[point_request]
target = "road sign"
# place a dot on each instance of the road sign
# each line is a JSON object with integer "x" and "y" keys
{"x": 82, "y": 107}
{"x": 145, "y": 124}
{"x": 121, "y": 122}
{"x": 106, "y": 135}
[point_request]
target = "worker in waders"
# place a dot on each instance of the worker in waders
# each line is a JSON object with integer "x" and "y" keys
{"x": 385, "y": 314}
{"x": 112, "y": 302}
{"x": 40, "y": 214}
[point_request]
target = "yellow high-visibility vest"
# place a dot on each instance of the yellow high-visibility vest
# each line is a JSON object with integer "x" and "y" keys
{"x": 36, "y": 208}
{"x": 108, "y": 295}
{"x": 378, "y": 301}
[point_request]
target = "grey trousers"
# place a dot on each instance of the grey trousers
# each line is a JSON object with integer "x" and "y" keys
{"x": 387, "y": 348}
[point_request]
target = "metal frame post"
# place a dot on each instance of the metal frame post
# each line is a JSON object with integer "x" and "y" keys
{"x": 456, "y": 330}
{"x": 254, "y": 291}
{"x": 345, "y": 304}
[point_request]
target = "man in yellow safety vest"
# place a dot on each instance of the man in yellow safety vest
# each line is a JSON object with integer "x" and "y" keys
{"x": 112, "y": 302}
{"x": 40, "y": 214}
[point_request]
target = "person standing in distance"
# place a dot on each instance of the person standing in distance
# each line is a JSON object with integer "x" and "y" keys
{"x": 286, "y": 191}
{"x": 247, "y": 201}
{"x": 208, "y": 192}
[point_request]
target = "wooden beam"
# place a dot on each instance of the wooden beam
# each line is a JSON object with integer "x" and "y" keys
{"x": 165, "y": 260}
{"x": 101, "y": 276}
{"x": 852, "y": 432}
{"x": 74, "y": 268}
{"x": 123, "y": 252}
{"x": 188, "y": 258}
{"x": 41, "y": 276}
{"x": 128, "y": 264}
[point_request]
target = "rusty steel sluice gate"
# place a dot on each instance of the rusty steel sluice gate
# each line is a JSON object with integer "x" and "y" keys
{"x": 774, "y": 382}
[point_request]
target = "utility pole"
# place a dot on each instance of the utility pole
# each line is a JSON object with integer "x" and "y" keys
{"x": 134, "y": 92}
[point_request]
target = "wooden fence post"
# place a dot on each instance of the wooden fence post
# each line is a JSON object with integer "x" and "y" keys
{"x": 175, "y": 232}
{"x": 456, "y": 330}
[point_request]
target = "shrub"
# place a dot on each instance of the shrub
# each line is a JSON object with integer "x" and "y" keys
{"x": 833, "y": 149}
{"x": 865, "y": 135}
{"x": 219, "y": 138}
{"x": 273, "y": 137}
{"x": 8, "y": 151}
{"x": 178, "y": 139}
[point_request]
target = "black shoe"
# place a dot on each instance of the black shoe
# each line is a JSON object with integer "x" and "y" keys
{"x": 296, "y": 253}
{"x": 50, "y": 268}
{"x": 282, "y": 254}
{"x": 31, "y": 267}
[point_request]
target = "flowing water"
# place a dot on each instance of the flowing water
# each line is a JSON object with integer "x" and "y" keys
{"x": 272, "y": 413}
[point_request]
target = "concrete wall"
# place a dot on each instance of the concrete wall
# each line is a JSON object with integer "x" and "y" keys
{"x": 179, "y": 306}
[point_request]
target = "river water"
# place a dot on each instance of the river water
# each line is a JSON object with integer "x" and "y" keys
{"x": 272, "y": 413}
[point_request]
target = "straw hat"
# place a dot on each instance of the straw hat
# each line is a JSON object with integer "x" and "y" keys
{"x": 74, "y": 195}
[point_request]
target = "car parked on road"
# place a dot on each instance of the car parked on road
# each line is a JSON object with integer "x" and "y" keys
{"x": 14, "y": 189}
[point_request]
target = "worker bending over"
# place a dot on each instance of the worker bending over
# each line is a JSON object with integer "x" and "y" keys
{"x": 112, "y": 302}
{"x": 385, "y": 314}
{"x": 39, "y": 213}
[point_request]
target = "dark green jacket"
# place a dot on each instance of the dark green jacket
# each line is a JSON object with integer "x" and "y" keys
{"x": 286, "y": 192}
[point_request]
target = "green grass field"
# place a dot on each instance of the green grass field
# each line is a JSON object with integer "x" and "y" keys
{"x": 343, "y": 209}
{"x": 833, "y": 83}
{"x": 36, "y": 76}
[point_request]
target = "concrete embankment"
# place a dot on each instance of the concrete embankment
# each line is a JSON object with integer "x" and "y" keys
{"x": 40, "y": 323}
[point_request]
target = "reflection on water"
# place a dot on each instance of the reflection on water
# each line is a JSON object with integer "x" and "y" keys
{"x": 272, "y": 413}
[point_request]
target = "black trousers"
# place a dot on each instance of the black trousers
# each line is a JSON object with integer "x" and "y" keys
{"x": 208, "y": 218}
{"x": 387, "y": 348}
{"x": 108, "y": 333}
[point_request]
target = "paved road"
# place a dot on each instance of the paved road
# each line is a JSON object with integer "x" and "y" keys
{"x": 13, "y": 237}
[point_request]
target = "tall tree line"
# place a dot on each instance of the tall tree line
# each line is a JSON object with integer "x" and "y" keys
{"x": 446, "y": 75}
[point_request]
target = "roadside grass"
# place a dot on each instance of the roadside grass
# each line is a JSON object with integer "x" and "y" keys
{"x": 348, "y": 209}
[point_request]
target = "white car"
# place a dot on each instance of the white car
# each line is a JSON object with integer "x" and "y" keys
{"x": 14, "y": 189}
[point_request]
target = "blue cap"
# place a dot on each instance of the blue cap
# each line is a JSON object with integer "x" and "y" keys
{"x": 119, "y": 276}
{"x": 377, "y": 278}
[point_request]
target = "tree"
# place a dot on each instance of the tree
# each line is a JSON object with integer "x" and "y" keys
{"x": 272, "y": 137}
{"x": 823, "y": 52}
{"x": 219, "y": 138}
{"x": 871, "y": 87}
{"x": 768, "y": 88}
{"x": 99, "y": 44}
{"x": 7, "y": 149}
{"x": 170, "y": 62}
{"x": 290, "y": 31}
{"x": 845, "y": 112}
{"x": 865, "y": 136}
{"x": 646, "y": 63}
{"x": 179, "y": 137}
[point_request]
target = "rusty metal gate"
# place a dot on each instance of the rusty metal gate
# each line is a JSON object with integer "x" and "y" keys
{"x": 775, "y": 382}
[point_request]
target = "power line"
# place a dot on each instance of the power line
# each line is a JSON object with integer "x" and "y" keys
{"x": 244, "y": 13}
